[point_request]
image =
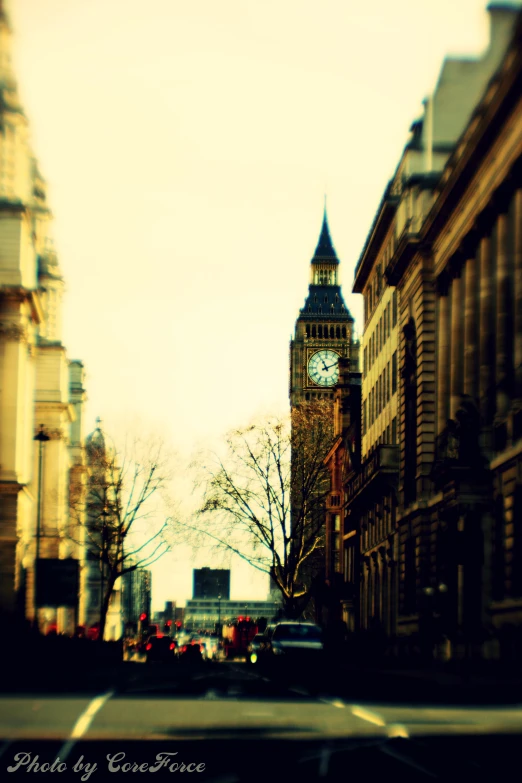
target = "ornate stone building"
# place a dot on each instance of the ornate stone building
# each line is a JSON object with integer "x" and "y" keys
{"x": 435, "y": 499}
{"x": 324, "y": 337}
{"x": 323, "y": 330}
{"x": 38, "y": 384}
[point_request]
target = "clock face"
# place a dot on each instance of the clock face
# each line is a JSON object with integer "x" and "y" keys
{"x": 323, "y": 368}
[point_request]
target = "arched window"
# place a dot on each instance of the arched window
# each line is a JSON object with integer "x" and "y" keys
{"x": 332, "y": 309}
{"x": 314, "y": 334}
{"x": 344, "y": 332}
{"x": 337, "y": 299}
{"x": 332, "y": 333}
{"x": 308, "y": 330}
{"x": 326, "y": 298}
{"x": 320, "y": 309}
{"x": 338, "y": 333}
{"x": 320, "y": 331}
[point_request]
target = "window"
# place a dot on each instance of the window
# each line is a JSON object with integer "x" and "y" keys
{"x": 394, "y": 307}
{"x": 314, "y": 334}
{"x": 394, "y": 431}
{"x": 364, "y": 417}
{"x": 344, "y": 331}
{"x": 365, "y": 362}
{"x": 308, "y": 330}
{"x": 394, "y": 373}
{"x": 320, "y": 331}
{"x": 385, "y": 323}
{"x": 338, "y": 333}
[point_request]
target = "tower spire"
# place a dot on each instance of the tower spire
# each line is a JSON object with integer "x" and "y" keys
{"x": 325, "y": 250}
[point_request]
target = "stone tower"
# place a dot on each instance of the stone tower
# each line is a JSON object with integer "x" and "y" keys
{"x": 324, "y": 330}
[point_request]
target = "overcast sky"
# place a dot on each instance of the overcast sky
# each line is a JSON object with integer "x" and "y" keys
{"x": 188, "y": 147}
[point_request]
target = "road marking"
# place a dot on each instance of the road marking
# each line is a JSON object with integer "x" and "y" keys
{"x": 83, "y": 723}
{"x": 397, "y": 730}
{"x": 4, "y": 746}
{"x": 371, "y": 717}
{"x": 334, "y": 703}
{"x": 300, "y": 691}
{"x": 324, "y": 762}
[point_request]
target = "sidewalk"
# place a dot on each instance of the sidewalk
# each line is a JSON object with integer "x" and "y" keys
{"x": 438, "y": 686}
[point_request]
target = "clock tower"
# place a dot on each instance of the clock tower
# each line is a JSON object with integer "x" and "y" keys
{"x": 323, "y": 330}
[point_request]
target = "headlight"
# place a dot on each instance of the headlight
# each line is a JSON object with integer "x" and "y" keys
{"x": 277, "y": 650}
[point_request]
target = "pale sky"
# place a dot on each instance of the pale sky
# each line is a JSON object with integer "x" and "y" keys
{"x": 188, "y": 147}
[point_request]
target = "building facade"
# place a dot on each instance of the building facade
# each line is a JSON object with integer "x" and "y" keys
{"x": 435, "y": 499}
{"x": 211, "y": 583}
{"x": 324, "y": 330}
{"x": 40, "y": 389}
{"x": 206, "y": 613}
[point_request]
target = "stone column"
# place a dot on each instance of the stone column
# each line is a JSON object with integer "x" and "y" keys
{"x": 487, "y": 333}
{"x": 471, "y": 329}
{"x": 503, "y": 364}
{"x": 456, "y": 351}
{"x": 443, "y": 361}
{"x": 517, "y": 249}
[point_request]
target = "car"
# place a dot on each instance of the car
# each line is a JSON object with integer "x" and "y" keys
{"x": 255, "y": 647}
{"x": 160, "y": 648}
{"x": 294, "y": 644}
{"x": 192, "y": 651}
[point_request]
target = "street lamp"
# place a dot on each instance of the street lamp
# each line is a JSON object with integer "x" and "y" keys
{"x": 42, "y": 438}
{"x": 104, "y": 513}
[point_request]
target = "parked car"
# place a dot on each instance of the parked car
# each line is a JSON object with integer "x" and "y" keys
{"x": 160, "y": 648}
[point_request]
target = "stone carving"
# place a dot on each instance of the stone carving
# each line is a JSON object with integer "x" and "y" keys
{"x": 12, "y": 331}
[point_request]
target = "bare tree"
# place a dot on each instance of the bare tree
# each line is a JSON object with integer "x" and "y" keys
{"x": 264, "y": 499}
{"x": 116, "y": 514}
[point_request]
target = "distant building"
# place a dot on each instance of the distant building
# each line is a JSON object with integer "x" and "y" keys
{"x": 211, "y": 583}
{"x": 136, "y": 591}
{"x": 207, "y": 612}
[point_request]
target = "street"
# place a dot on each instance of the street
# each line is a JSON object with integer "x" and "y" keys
{"x": 234, "y": 720}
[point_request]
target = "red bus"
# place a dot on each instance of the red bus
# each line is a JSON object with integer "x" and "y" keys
{"x": 237, "y": 636}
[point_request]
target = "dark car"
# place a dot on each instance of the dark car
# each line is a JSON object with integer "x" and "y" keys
{"x": 255, "y": 647}
{"x": 160, "y": 648}
{"x": 294, "y": 644}
{"x": 192, "y": 651}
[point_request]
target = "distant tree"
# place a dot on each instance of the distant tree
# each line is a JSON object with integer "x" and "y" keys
{"x": 116, "y": 519}
{"x": 264, "y": 499}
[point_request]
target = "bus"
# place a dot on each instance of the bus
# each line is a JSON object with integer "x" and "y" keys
{"x": 237, "y": 635}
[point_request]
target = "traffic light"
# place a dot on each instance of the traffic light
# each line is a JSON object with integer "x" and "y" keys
{"x": 169, "y": 623}
{"x": 143, "y": 617}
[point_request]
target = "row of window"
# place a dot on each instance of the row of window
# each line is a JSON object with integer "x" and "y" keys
{"x": 377, "y": 283}
{"x": 381, "y": 394}
{"x": 382, "y": 331}
{"x": 378, "y": 524}
{"x": 318, "y": 396}
{"x": 326, "y": 331}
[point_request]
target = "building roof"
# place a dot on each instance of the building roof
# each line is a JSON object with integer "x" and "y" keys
{"x": 325, "y": 250}
{"x": 320, "y": 300}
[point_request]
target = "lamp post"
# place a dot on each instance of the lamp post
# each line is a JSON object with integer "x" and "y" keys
{"x": 104, "y": 513}
{"x": 42, "y": 438}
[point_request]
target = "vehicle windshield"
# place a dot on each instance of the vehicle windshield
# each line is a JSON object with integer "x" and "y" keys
{"x": 303, "y": 632}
